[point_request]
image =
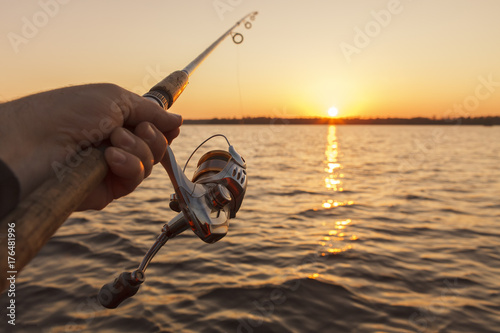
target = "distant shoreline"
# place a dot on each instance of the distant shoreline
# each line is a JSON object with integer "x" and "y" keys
{"x": 484, "y": 121}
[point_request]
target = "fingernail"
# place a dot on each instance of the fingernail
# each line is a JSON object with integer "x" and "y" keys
{"x": 178, "y": 116}
{"x": 118, "y": 157}
{"x": 128, "y": 139}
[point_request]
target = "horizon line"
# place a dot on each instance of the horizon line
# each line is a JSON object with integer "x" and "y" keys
{"x": 486, "y": 121}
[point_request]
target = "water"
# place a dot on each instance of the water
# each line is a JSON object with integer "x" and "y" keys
{"x": 343, "y": 229}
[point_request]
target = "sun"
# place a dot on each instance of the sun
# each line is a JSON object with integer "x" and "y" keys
{"x": 333, "y": 112}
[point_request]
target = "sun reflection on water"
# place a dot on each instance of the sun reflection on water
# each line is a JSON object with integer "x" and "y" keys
{"x": 332, "y": 181}
{"x": 338, "y": 239}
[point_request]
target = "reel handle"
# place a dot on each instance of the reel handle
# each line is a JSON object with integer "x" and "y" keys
{"x": 124, "y": 286}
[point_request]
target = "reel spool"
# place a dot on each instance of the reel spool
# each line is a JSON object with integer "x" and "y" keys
{"x": 211, "y": 163}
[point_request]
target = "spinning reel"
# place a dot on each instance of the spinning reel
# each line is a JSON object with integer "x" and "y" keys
{"x": 205, "y": 204}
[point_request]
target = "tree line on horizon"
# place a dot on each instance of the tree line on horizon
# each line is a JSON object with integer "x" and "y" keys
{"x": 485, "y": 121}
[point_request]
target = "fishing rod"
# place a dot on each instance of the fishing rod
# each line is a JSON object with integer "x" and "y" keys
{"x": 205, "y": 203}
{"x": 169, "y": 89}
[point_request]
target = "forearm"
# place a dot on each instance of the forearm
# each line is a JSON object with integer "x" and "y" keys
{"x": 22, "y": 146}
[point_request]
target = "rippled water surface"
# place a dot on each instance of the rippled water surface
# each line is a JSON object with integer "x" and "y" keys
{"x": 343, "y": 229}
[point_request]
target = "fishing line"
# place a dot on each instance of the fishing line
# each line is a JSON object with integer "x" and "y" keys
{"x": 238, "y": 82}
{"x": 201, "y": 144}
{"x": 238, "y": 39}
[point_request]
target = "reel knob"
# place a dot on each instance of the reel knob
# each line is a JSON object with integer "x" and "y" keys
{"x": 219, "y": 196}
{"x": 174, "y": 203}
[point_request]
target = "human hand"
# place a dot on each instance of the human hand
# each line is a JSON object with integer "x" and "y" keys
{"x": 47, "y": 129}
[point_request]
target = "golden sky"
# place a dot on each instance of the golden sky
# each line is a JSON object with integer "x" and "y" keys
{"x": 388, "y": 58}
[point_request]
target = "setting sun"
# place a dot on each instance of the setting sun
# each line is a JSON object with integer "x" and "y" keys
{"x": 333, "y": 111}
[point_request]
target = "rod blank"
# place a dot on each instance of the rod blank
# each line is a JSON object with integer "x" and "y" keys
{"x": 189, "y": 69}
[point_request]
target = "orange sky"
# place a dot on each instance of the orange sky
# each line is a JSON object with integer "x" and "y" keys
{"x": 396, "y": 58}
